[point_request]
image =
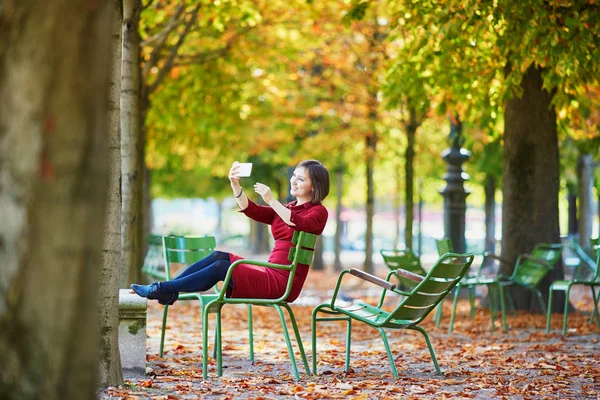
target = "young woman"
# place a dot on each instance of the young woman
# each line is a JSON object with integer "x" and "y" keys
{"x": 309, "y": 185}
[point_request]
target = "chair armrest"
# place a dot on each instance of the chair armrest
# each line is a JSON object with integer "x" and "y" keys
{"x": 251, "y": 262}
{"x": 373, "y": 279}
{"x": 408, "y": 275}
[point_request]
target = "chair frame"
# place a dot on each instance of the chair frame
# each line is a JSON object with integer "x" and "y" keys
{"x": 302, "y": 253}
{"x": 415, "y": 305}
{"x": 566, "y": 286}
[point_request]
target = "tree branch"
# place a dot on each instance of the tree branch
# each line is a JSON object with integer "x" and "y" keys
{"x": 201, "y": 58}
{"x": 169, "y": 63}
{"x": 161, "y": 37}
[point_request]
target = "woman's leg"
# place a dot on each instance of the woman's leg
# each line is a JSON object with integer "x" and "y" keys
{"x": 205, "y": 262}
{"x": 200, "y": 280}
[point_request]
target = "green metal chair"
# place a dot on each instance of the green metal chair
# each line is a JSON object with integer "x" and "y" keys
{"x": 411, "y": 310}
{"x": 445, "y": 246}
{"x": 186, "y": 250}
{"x": 528, "y": 272}
{"x": 585, "y": 277}
{"x": 302, "y": 253}
{"x": 406, "y": 260}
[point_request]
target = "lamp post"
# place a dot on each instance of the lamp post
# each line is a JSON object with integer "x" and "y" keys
{"x": 455, "y": 194}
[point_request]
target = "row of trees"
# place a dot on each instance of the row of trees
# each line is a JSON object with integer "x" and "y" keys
{"x": 193, "y": 84}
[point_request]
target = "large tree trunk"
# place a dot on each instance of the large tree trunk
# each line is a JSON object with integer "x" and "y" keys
{"x": 54, "y": 64}
{"x": 531, "y": 178}
{"x": 132, "y": 173}
{"x": 111, "y": 372}
{"x": 586, "y": 199}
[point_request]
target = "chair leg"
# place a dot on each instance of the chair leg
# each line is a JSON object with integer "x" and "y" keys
{"x": 298, "y": 338}
{"x": 503, "y": 307}
{"x": 454, "y": 302}
{"x": 313, "y": 326}
{"x": 205, "y": 344}
{"x": 250, "y": 333}
{"x": 389, "y": 353}
{"x": 438, "y": 315}
{"x": 287, "y": 341}
{"x": 541, "y": 300}
{"x": 595, "y": 299}
{"x": 565, "y": 311}
{"x": 549, "y": 313}
{"x": 492, "y": 303}
{"x": 348, "y": 344}
{"x": 218, "y": 343}
{"x": 162, "y": 334}
{"x": 472, "y": 301}
{"x": 429, "y": 346}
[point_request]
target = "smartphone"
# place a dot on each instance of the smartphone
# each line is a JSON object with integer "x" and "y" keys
{"x": 245, "y": 169}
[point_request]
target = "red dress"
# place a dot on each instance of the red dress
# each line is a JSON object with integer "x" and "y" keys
{"x": 252, "y": 281}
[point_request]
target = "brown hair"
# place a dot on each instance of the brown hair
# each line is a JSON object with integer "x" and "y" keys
{"x": 319, "y": 176}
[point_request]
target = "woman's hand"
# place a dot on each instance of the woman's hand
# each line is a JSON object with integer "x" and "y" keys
{"x": 264, "y": 191}
{"x": 234, "y": 175}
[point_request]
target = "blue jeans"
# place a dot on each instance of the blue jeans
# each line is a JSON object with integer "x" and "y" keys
{"x": 200, "y": 276}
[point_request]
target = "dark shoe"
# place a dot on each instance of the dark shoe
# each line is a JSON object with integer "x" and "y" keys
{"x": 152, "y": 292}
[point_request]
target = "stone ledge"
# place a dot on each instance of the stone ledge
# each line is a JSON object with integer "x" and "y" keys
{"x": 132, "y": 333}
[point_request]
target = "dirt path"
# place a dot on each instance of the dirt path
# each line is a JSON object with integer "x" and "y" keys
{"x": 524, "y": 362}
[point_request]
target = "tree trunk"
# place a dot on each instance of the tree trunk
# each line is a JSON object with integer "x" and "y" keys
{"x": 259, "y": 238}
{"x": 586, "y": 199}
{"x": 370, "y": 205}
{"x": 337, "y": 263}
{"x": 54, "y": 65}
{"x": 411, "y": 130}
{"x": 571, "y": 209}
{"x": 111, "y": 372}
{"x": 317, "y": 263}
{"x": 132, "y": 173}
{"x": 531, "y": 178}
{"x": 490, "y": 214}
{"x": 397, "y": 205}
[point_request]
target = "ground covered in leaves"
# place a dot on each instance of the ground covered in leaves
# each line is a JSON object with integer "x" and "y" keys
{"x": 476, "y": 362}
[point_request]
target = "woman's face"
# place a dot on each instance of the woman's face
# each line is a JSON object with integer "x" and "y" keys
{"x": 301, "y": 184}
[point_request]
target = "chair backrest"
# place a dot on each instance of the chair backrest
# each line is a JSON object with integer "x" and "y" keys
{"x": 304, "y": 250}
{"x": 443, "y": 246}
{"x": 154, "y": 264}
{"x": 185, "y": 250}
{"x": 529, "y": 271}
{"x": 439, "y": 281}
{"x": 404, "y": 259}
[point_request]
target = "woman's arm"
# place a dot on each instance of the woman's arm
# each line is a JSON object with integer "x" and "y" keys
{"x": 284, "y": 213}
{"x": 238, "y": 192}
